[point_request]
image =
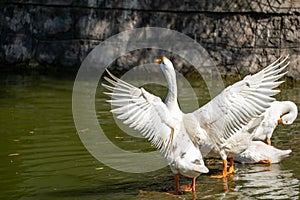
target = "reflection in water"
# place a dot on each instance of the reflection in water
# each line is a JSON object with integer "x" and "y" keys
{"x": 52, "y": 163}
{"x": 268, "y": 182}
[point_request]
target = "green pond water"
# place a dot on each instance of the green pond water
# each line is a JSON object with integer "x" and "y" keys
{"x": 42, "y": 156}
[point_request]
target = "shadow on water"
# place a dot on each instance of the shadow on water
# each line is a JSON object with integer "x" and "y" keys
{"x": 42, "y": 157}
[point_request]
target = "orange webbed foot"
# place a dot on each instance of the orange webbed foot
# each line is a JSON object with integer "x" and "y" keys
{"x": 224, "y": 172}
{"x": 231, "y": 167}
{"x": 190, "y": 188}
{"x": 175, "y": 192}
{"x": 219, "y": 176}
{"x": 267, "y": 162}
{"x": 186, "y": 188}
{"x": 231, "y": 170}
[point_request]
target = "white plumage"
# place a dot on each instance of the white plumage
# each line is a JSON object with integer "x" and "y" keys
{"x": 262, "y": 153}
{"x": 261, "y": 128}
{"x": 282, "y": 112}
{"x": 225, "y": 117}
{"x": 163, "y": 124}
{"x": 177, "y": 134}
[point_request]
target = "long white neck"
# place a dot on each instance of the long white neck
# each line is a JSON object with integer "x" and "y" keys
{"x": 171, "y": 99}
{"x": 289, "y": 111}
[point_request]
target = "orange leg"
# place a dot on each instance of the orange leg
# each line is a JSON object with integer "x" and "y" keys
{"x": 224, "y": 172}
{"x": 177, "y": 191}
{"x": 193, "y": 184}
{"x": 231, "y": 166}
{"x": 268, "y": 141}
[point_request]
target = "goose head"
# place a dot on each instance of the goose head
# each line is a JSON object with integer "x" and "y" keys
{"x": 289, "y": 113}
{"x": 166, "y": 65}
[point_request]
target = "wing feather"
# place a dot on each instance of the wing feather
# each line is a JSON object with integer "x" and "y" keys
{"x": 141, "y": 110}
{"x": 226, "y": 114}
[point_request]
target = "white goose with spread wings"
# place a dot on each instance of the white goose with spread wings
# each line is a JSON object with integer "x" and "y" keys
{"x": 161, "y": 123}
{"x": 177, "y": 134}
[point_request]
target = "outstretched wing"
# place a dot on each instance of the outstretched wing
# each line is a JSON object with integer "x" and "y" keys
{"x": 142, "y": 111}
{"x": 235, "y": 106}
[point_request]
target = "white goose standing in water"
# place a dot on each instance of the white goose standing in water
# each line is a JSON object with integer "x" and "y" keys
{"x": 280, "y": 112}
{"x": 177, "y": 134}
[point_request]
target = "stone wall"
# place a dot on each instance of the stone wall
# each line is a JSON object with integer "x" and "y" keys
{"x": 241, "y": 36}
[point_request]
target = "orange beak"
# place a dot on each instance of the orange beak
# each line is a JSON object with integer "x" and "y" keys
{"x": 280, "y": 121}
{"x": 158, "y": 61}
